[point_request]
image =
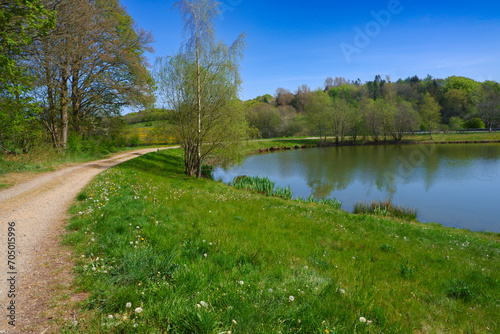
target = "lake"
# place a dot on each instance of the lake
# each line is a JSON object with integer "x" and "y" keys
{"x": 456, "y": 185}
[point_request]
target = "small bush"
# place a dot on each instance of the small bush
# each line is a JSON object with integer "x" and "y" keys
{"x": 474, "y": 123}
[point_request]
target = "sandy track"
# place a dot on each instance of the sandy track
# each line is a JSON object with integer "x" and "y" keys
{"x": 42, "y": 267}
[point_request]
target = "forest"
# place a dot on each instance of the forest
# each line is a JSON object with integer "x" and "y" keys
{"x": 380, "y": 108}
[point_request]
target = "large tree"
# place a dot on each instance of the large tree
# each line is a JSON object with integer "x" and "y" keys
{"x": 487, "y": 102}
{"x": 430, "y": 113}
{"x": 89, "y": 66}
{"x": 200, "y": 84}
{"x": 21, "y": 22}
{"x": 319, "y": 113}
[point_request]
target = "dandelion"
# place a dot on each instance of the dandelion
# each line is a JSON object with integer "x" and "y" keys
{"x": 128, "y": 305}
{"x": 241, "y": 282}
{"x": 204, "y": 304}
{"x": 135, "y": 325}
{"x": 205, "y": 255}
{"x": 270, "y": 290}
{"x": 342, "y": 291}
{"x": 234, "y": 322}
{"x": 198, "y": 306}
{"x": 138, "y": 310}
{"x": 362, "y": 319}
{"x": 291, "y": 298}
{"x": 110, "y": 316}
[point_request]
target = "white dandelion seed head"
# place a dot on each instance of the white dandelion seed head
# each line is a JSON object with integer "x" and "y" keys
{"x": 291, "y": 298}
{"x": 241, "y": 282}
{"x": 234, "y": 322}
{"x": 270, "y": 290}
{"x": 204, "y": 304}
{"x": 198, "y": 306}
{"x": 362, "y": 319}
{"x": 342, "y": 291}
{"x": 138, "y": 310}
{"x": 128, "y": 305}
{"x": 205, "y": 255}
{"x": 110, "y": 316}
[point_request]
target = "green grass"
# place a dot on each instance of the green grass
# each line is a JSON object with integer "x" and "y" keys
{"x": 45, "y": 159}
{"x": 261, "y": 185}
{"x": 385, "y": 208}
{"x": 198, "y": 256}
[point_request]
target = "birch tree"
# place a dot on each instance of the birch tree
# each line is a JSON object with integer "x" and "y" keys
{"x": 200, "y": 84}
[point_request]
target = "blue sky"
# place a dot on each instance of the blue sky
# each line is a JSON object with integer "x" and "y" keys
{"x": 290, "y": 43}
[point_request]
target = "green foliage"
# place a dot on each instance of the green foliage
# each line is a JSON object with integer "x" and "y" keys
{"x": 261, "y": 185}
{"x": 385, "y": 208}
{"x": 387, "y": 248}
{"x": 459, "y": 289}
{"x": 474, "y": 123}
{"x": 406, "y": 272}
{"x": 200, "y": 84}
{"x": 335, "y": 203}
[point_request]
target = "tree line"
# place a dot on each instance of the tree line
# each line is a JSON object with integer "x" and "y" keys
{"x": 67, "y": 67}
{"x": 380, "y": 108}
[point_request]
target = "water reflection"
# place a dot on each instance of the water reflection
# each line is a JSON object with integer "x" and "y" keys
{"x": 421, "y": 176}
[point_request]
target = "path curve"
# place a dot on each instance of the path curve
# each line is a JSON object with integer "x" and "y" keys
{"x": 37, "y": 209}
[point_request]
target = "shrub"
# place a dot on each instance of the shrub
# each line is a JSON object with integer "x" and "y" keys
{"x": 474, "y": 123}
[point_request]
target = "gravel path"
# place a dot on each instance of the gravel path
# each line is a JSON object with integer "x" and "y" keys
{"x": 40, "y": 276}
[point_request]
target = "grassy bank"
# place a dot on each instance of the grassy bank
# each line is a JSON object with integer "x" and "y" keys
{"x": 159, "y": 252}
{"x": 45, "y": 159}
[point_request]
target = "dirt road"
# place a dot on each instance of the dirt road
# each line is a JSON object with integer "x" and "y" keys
{"x": 39, "y": 275}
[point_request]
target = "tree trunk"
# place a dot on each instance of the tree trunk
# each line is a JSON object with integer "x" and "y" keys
{"x": 64, "y": 108}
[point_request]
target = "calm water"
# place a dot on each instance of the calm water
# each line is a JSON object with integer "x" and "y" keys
{"x": 454, "y": 185}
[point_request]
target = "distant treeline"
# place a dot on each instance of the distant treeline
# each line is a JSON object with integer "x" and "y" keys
{"x": 378, "y": 108}
{"x": 146, "y": 116}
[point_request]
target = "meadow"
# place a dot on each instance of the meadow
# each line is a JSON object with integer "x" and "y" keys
{"x": 159, "y": 252}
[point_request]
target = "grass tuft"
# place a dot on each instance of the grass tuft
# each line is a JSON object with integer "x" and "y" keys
{"x": 385, "y": 208}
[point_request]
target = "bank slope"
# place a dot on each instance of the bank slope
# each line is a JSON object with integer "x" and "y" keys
{"x": 159, "y": 252}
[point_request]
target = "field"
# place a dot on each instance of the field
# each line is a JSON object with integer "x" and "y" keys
{"x": 162, "y": 253}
